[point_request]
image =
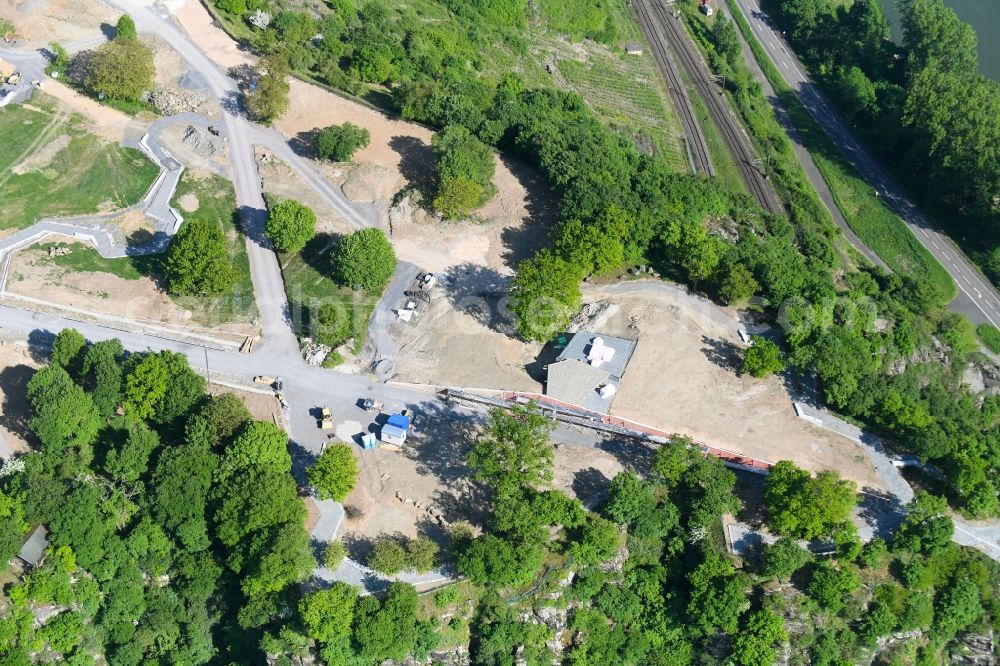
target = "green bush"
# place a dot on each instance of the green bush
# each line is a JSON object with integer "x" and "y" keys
{"x": 339, "y": 142}
{"x": 365, "y": 260}
{"x": 290, "y": 225}
{"x": 447, "y": 596}
{"x": 990, "y": 336}
{"x": 198, "y": 263}
{"x": 334, "y": 554}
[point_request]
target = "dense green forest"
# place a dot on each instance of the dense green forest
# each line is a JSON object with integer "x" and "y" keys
{"x": 922, "y": 103}
{"x": 177, "y": 537}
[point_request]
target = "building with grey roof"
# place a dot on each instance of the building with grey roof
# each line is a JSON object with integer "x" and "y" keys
{"x": 32, "y": 551}
{"x": 588, "y": 371}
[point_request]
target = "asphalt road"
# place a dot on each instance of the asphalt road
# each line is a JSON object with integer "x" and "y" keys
{"x": 977, "y": 298}
{"x": 805, "y": 159}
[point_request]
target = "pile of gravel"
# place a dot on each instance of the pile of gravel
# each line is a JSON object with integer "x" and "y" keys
{"x": 170, "y": 101}
{"x": 203, "y": 142}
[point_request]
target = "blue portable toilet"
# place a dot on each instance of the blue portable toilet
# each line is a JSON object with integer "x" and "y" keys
{"x": 368, "y": 441}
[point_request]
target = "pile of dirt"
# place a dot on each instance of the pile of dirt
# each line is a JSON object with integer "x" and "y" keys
{"x": 370, "y": 182}
{"x": 170, "y": 101}
{"x": 202, "y": 141}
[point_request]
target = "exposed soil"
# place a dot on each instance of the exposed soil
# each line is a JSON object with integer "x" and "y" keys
{"x": 192, "y": 155}
{"x": 188, "y": 202}
{"x": 16, "y": 367}
{"x": 405, "y": 491}
{"x": 101, "y": 120}
{"x": 281, "y": 182}
{"x": 445, "y": 345}
{"x": 263, "y": 407}
{"x": 41, "y": 22}
{"x": 683, "y": 378}
{"x": 40, "y": 158}
{"x": 33, "y": 274}
{"x": 211, "y": 39}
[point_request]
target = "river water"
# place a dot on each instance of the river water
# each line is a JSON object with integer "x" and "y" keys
{"x": 984, "y": 15}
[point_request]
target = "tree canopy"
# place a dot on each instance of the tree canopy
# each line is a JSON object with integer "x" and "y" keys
{"x": 364, "y": 260}
{"x": 338, "y": 143}
{"x": 121, "y": 69}
{"x": 290, "y": 225}
{"x": 198, "y": 262}
{"x": 806, "y": 506}
{"x": 334, "y": 472}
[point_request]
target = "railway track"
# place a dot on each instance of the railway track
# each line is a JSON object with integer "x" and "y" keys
{"x": 732, "y": 133}
{"x": 701, "y": 161}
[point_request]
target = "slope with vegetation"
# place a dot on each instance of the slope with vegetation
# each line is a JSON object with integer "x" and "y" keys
{"x": 51, "y": 166}
{"x": 366, "y": 48}
{"x": 922, "y": 104}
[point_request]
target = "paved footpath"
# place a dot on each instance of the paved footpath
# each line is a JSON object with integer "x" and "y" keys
{"x": 984, "y": 536}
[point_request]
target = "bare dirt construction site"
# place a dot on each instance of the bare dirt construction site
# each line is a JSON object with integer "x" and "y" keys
{"x": 683, "y": 377}
{"x": 462, "y": 336}
{"x": 280, "y": 182}
{"x": 16, "y": 367}
{"x": 126, "y": 295}
{"x": 41, "y": 22}
{"x": 424, "y": 486}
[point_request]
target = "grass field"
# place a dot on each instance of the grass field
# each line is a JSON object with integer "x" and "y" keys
{"x": 990, "y": 336}
{"x": 868, "y": 216}
{"x": 310, "y": 288}
{"x": 50, "y": 166}
{"x": 217, "y": 202}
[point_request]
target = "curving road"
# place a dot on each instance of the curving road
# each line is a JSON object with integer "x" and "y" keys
{"x": 977, "y": 298}
{"x": 805, "y": 159}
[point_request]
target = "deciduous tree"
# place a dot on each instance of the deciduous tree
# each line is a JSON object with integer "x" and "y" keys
{"x": 198, "y": 262}
{"x": 121, "y": 69}
{"x": 364, "y": 260}
{"x": 762, "y": 358}
{"x": 290, "y": 225}
{"x": 515, "y": 451}
{"x": 808, "y": 507}
{"x": 334, "y": 472}
{"x": 339, "y": 142}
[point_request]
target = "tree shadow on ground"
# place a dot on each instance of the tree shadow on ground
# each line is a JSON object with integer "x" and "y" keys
{"x": 542, "y": 205}
{"x": 538, "y": 369}
{"x": 302, "y": 459}
{"x": 440, "y": 451}
{"x": 252, "y": 225}
{"x": 881, "y": 511}
{"x": 750, "y": 491}
{"x": 590, "y": 486}
{"x": 316, "y": 255}
{"x": 358, "y": 547}
{"x": 634, "y": 454}
{"x": 481, "y": 292}
{"x": 14, "y": 412}
{"x": 416, "y": 164}
{"x": 722, "y": 353}
{"x": 303, "y": 144}
{"x": 40, "y": 344}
